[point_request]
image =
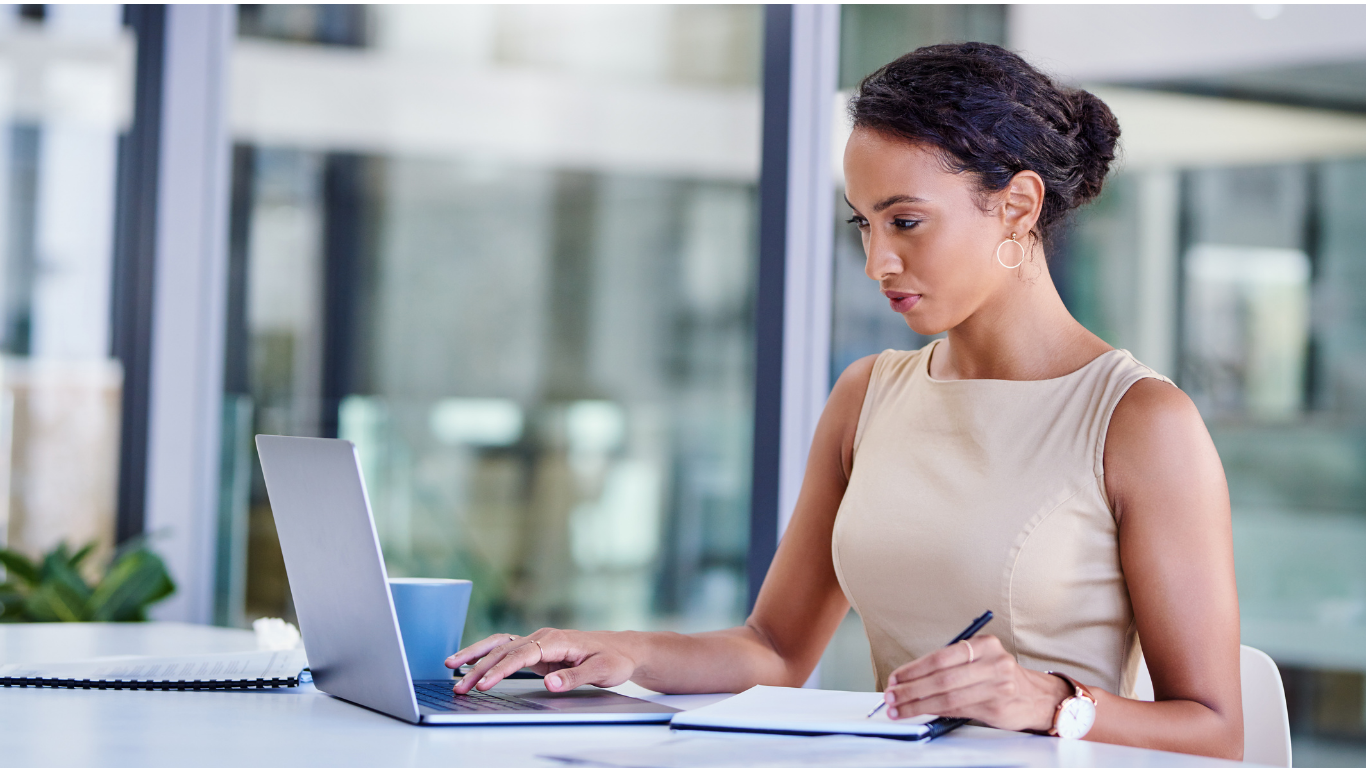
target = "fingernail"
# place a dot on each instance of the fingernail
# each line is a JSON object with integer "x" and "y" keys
{"x": 891, "y": 712}
{"x": 554, "y": 682}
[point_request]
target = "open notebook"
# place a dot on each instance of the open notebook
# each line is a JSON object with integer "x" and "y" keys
{"x": 808, "y": 711}
{"x": 216, "y": 671}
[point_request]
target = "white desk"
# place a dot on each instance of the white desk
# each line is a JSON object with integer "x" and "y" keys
{"x": 302, "y": 727}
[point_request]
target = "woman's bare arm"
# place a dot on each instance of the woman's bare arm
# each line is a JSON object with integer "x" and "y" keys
{"x": 1167, "y": 487}
{"x": 799, "y": 606}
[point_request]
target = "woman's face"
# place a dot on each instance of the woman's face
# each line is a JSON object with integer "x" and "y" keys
{"x": 930, "y": 244}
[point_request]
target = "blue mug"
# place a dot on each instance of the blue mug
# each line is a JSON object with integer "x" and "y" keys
{"x": 431, "y": 620}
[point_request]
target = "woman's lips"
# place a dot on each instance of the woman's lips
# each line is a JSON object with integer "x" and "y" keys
{"x": 902, "y": 302}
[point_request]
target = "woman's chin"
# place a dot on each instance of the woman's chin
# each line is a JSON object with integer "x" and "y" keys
{"x": 924, "y": 326}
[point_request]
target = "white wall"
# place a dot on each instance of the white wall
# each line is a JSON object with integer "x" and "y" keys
{"x": 1090, "y": 43}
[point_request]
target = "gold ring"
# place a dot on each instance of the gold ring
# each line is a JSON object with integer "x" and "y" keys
{"x": 539, "y": 648}
{"x": 971, "y": 656}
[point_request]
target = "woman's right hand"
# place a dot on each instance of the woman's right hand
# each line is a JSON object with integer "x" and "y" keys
{"x": 567, "y": 659}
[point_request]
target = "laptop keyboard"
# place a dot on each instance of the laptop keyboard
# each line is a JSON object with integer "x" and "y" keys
{"x": 437, "y": 694}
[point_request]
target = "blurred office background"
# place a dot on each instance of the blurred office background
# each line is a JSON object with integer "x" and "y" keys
{"x": 516, "y": 255}
{"x": 509, "y": 252}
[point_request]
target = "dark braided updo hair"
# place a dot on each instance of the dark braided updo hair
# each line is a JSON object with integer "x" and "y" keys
{"x": 991, "y": 114}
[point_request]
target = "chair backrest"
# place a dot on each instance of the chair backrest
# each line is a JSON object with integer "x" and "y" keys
{"x": 1266, "y": 721}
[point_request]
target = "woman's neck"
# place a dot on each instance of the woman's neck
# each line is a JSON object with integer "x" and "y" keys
{"x": 1025, "y": 333}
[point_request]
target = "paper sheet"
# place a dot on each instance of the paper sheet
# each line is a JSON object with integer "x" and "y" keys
{"x": 762, "y": 751}
{"x": 253, "y": 665}
{"x": 766, "y": 708}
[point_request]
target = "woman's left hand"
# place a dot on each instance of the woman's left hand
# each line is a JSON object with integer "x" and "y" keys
{"x": 976, "y": 679}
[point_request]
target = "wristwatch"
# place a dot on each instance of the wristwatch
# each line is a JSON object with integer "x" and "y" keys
{"x": 1075, "y": 714}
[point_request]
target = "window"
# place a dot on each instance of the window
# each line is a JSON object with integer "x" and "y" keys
{"x": 66, "y": 98}
{"x": 509, "y": 252}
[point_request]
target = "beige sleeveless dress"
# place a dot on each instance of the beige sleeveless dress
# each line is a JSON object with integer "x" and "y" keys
{"x": 981, "y": 494}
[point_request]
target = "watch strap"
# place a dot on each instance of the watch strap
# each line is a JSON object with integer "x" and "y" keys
{"x": 1079, "y": 691}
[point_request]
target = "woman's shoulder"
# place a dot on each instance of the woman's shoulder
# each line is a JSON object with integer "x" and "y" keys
{"x": 1156, "y": 437}
{"x": 1153, "y": 403}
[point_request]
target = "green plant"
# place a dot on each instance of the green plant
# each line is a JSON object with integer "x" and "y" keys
{"x": 54, "y": 590}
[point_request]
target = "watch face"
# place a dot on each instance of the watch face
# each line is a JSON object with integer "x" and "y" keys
{"x": 1076, "y": 718}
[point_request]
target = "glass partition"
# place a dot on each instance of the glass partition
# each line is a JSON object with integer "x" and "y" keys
{"x": 509, "y": 252}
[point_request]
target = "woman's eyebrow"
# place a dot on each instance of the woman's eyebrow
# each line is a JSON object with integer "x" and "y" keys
{"x": 887, "y": 202}
{"x": 893, "y": 200}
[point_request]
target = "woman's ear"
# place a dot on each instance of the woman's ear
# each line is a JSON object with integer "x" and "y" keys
{"x": 1023, "y": 202}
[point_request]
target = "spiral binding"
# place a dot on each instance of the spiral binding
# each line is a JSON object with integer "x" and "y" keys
{"x": 149, "y": 685}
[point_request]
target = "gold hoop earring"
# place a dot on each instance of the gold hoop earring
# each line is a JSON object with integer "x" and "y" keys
{"x": 1023, "y": 254}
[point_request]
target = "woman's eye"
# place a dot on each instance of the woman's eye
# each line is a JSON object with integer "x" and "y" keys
{"x": 857, "y": 221}
{"x": 905, "y": 223}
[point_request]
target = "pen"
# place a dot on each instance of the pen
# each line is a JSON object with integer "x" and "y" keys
{"x": 973, "y": 628}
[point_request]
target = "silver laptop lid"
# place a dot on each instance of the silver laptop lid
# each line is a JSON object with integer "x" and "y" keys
{"x": 336, "y": 572}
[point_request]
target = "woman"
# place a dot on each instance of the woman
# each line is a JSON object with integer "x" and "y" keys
{"x": 1021, "y": 464}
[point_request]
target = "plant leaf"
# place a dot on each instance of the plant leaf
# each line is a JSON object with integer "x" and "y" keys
{"x": 57, "y": 570}
{"x": 83, "y": 553}
{"x": 57, "y": 601}
{"x": 135, "y": 580}
{"x": 20, "y": 567}
{"x": 11, "y": 604}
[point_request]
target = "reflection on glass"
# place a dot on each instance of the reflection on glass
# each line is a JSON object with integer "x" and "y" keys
{"x": 509, "y": 253}
{"x": 65, "y": 96}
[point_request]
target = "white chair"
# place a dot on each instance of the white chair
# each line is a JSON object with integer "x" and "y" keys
{"x": 1266, "y": 721}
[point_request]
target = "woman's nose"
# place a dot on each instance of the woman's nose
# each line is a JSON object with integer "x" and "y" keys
{"x": 882, "y": 262}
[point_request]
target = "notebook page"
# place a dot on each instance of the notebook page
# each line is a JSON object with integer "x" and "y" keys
{"x": 805, "y": 710}
{"x": 252, "y": 665}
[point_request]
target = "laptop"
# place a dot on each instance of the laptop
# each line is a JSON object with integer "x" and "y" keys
{"x": 346, "y": 614}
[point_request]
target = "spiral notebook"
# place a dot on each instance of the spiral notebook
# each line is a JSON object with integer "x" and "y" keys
{"x": 207, "y": 672}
